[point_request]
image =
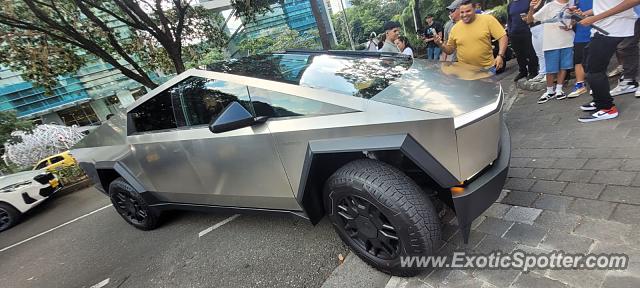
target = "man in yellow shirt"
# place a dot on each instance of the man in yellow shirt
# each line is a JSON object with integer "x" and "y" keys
{"x": 471, "y": 38}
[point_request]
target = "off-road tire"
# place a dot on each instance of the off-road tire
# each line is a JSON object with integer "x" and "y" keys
{"x": 131, "y": 206}
{"x": 10, "y": 216}
{"x": 398, "y": 198}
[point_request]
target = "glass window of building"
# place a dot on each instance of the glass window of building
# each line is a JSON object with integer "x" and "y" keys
{"x": 81, "y": 115}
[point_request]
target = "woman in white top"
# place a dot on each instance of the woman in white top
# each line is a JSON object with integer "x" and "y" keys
{"x": 404, "y": 46}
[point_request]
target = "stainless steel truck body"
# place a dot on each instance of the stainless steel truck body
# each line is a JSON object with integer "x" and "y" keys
{"x": 274, "y": 132}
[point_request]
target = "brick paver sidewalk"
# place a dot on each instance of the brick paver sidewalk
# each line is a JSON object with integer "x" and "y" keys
{"x": 572, "y": 187}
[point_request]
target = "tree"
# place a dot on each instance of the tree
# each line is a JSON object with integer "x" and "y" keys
{"x": 367, "y": 16}
{"x": 416, "y": 15}
{"x": 47, "y": 38}
{"x": 43, "y": 141}
{"x": 322, "y": 29}
{"x": 9, "y": 123}
{"x": 288, "y": 39}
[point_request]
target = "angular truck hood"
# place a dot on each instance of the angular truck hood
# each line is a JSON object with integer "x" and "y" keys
{"x": 446, "y": 88}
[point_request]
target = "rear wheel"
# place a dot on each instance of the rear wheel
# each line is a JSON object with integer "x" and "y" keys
{"x": 382, "y": 215}
{"x": 9, "y": 216}
{"x": 130, "y": 205}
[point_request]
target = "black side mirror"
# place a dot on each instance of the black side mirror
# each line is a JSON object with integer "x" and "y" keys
{"x": 232, "y": 117}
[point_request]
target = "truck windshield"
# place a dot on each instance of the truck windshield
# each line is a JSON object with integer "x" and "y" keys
{"x": 355, "y": 76}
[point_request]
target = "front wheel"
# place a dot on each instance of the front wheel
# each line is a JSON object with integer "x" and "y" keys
{"x": 130, "y": 205}
{"x": 9, "y": 216}
{"x": 382, "y": 215}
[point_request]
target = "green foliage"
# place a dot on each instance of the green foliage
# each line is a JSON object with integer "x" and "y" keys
{"x": 365, "y": 16}
{"x": 250, "y": 9}
{"x": 47, "y": 39}
{"x": 40, "y": 57}
{"x": 416, "y": 42}
{"x": 70, "y": 174}
{"x": 205, "y": 58}
{"x": 500, "y": 12}
{"x": 9, "y": 122}
{"x": 11, "y": 168}
{"x": 272, "y": 41}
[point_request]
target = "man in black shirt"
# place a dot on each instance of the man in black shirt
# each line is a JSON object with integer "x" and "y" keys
{"x": 432, "y": 28}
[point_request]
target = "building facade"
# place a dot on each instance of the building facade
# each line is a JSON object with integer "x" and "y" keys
{"x": 83, "y": 98}
{"x": 293, "y": 14}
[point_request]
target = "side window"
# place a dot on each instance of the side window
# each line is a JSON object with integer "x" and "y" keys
{"x": 275, "y": 104}
{"x": 41, "y": 165}
{"x": 198, "y": 100}
{"x": 56, "y": 159}
{"x": 154, "y": 114}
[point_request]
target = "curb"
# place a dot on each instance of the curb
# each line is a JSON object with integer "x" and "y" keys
{"x": 75, "y": 187}
{"x": 531, "y": 86}
{"x": 355, "y": 273}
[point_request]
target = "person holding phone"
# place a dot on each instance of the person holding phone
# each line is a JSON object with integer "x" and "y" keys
{"x": 432, "y": 29}
{"x": 557, "y": 45}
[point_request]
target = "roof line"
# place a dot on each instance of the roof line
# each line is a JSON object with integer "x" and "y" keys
{"x": 360, "y": 53}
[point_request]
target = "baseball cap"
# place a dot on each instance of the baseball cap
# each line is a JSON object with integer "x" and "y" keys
{"x": 455, "y": 4}
{"x": 390, "y": 25}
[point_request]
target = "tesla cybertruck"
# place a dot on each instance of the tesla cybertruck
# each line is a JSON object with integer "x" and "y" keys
{"x": 380, "y": 143}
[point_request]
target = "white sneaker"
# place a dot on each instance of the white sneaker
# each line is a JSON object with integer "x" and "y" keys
{"x": 560, "y": 95}
{"x": 600, "y": 115}
{"x": 538, "y": 78}
{"x": 546, "y": 97}
{"x": 624, "y": 87}
{"x": 615, "y": 72}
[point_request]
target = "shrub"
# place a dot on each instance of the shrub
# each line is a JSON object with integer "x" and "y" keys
{"x": 70, "y": 175}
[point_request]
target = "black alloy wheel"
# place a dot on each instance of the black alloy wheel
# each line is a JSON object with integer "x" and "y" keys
{"x": 382, "y": 215}
{"x": 131, "y": 206}
{"x": 368, "y": 227}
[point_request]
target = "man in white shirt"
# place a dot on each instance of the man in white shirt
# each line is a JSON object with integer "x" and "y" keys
{"x": 601, "y": 48}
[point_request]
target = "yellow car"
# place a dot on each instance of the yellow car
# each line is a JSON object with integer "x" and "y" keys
{"x": 56, "y": 162}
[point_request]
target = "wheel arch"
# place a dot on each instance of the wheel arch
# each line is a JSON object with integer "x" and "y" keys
{"x": 324, "y": 157}
{"x": 104, "y": 172}
{"x": 11, "y": 205}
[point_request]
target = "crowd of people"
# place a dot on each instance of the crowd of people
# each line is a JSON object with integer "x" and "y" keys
{"x": 550, "y": 39}
{"x": 572, "y": 43}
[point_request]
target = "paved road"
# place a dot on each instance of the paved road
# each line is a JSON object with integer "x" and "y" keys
{"x": 250, "y": 251}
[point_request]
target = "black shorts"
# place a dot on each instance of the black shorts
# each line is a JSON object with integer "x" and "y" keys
{"x": 578, "y": 52}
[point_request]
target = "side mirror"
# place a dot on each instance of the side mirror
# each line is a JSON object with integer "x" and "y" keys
{"x": 233, "y": 117}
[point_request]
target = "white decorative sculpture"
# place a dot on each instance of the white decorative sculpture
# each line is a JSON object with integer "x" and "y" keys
{"x": 44, "y": 141}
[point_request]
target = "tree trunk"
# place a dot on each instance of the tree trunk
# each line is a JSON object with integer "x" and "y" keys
{"x": 322, "y": 28}
{"x": 175, "y": 53}
{"x": 416, "y": 16}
